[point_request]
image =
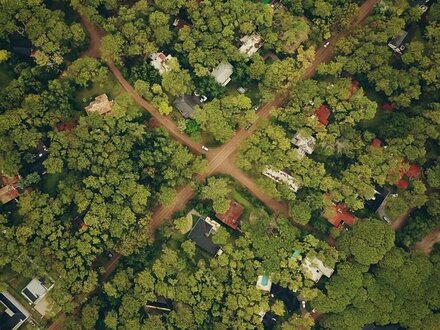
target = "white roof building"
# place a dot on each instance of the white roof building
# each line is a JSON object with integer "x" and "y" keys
{"x": 222, "y": 73}
{"x": 35, "y": 291}
{"x": 264, "y": 283}
{"x": 315, "y": 269}
{"x": 160, "y": 62}
{"x": 281, "y": 176}
{"x": 250, "y": 44}
{"x": 306, "y": 145}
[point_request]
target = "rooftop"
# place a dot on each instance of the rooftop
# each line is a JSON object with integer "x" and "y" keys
{"x": 186, "y": 105}
{"x": 8, "y": 193}
{"x": 159, "y": 61}
{"x": 323, "y": 113}
{"x": 231, "y": 217}
{"x": 15, "y": 314}
{"x": 250, "y": 44}
{"x": 315, "y": 269}
{"x": 306, "y": 145}
{"x": 201, "y": 235}
{"x": 338, "y": 214}
{"x": 101, "y": 105}
{"x": 264, "y": 283}
{"x": 222, "y": 73}
{"x": 35, "y": 291}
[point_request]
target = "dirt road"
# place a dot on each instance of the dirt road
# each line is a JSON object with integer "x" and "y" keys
{"x": 427, "y": 243}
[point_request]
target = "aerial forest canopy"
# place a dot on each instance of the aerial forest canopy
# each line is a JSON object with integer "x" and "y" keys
{"x": 220, "y": 164}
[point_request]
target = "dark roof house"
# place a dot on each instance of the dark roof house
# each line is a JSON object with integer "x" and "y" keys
{"x": 397, "y": 44}
{"x": 186, "y": 105}
{"x": 201, "y": 234}
{"x": 14, "y": 314}
{"x": 232, "y": 217}
{"x": 380, "y": 193}
{"x": 285, "y": 295}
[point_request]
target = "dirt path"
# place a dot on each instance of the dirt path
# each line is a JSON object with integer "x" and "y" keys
{"x": 400, "y": 221}
{"x": 427, "y": 243}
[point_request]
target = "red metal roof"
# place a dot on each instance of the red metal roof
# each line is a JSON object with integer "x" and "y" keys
{"x": 231, "y": 217}
{"x": 66, "y": 126}
{"x": 322, "y": 113}
{"x": 377, "y": 143}
{"x": 338, "y": 214}
{"x": 413, "y": 171}
{"x": 10, "y": 180}
{"x": 402, "y": 183}
{"x": 388, "y": 107}
{"x": 353, "y": 88}
{"x": 8, "y": 193}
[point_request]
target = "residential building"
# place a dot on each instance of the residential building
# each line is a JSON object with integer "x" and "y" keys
{"x": 222, "y": 73}
{"x": 322, "y": 114}
{"x": 160, "y": 62}
{"x": 314, "y": 269}
{"x": 201, "y": 234}
{"x": 305, "y": 144}
{"x": 380, "y": 194}
{"x": 9, "y": 190}
{"x": 101, "y": 105}
{"x": 251, "y": 43}
{"x": 281, "y": 176}
{"x": 288, "y": 297}
{"x": 413, "y": 172}
{"x": 422, "y": 4}
{"x": 35, "y": 290}
{"x": 338, "y": 215}
{"x": 264, "y": 283}
{"x": 12, "y": 314}
{"x": 232, "y": 216}
{"x": 397, "y": 44}
{"x": 186, "y": 105}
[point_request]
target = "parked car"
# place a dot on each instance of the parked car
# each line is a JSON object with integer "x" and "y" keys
{"x": 326, "y": 44}
{"x": 248, "y": 126}
{"x": 205, "y": 148}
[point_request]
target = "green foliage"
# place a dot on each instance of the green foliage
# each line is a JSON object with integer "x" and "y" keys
{"x": 218, "y": 191}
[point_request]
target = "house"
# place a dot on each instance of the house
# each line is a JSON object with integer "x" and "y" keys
{"x": 232, "y": 216}
{"x": 376, "y": 143}
{"x": 264, "y": 283}
{"x": 338, "y": 214}
{"x": 388, "y": 107}
{"x": 288, "y": 297}
{"x": 160, "y": 62}
{"x": 222, "y": 73}
{"x": 413, "y": 172}
{"x": 180, "y": 23}
{"x": 322, "y": 114}
{"x": 281, "y": 176}
{"x": 12, "y": 313}
{"x": 201, "y": 234}
{"x": 380, "y": 194}
{"x": 35, "y": 291}
{"x": 397, "y": 44}
{"x": 354, "y": 87}
{"x": 306, "y": 145}
{"x": 314, "y": 269}
{"x": 186, "y": 105}
{"x": 162, "y": 305}
{"x": 101, "y": 105}
{"x": 422, "y": 4}
{"x": 250, "y": 44}
{"x": 9, "y": 190}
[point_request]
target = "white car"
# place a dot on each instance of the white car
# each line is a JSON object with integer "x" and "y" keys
{"x": 303, "y": 304}
{"x": 205, "y": 148}
{"x": 326, "y": 44}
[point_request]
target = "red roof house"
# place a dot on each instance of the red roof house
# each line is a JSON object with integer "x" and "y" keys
{"x": 338, "y": 214}
{"x": 8, "y": 193}
{"x": 322, "y": 113}
{"x": 353, "y": 88}
{"x": 388, "y": 107}
{"x": 377, "y": 143}
{"x": 232, "y": 215}
{"x": 66, "y": 126}
{"x": 413, "y": 172}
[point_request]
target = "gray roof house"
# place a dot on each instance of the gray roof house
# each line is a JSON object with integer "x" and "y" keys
{"x": 397, "y": 44}
{"x": 186, "y": 105}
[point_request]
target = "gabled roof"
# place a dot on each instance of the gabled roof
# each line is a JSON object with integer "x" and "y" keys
{"x": 323, "y": 113}
{"x": 8, "y": 193}
{"x": 15, "y": 314}
{"x": 377, "y": 143}
{"x": 315, "y": 269}
{"x": 222, "y": 73}
{"x": 338, "y": 214}
{"x": 186, "y": 105}
{"x": 398, "y": 40}
{"x": 101, "y": 105}
{"x": 232, "y": 215}
{"x": 201, "y": 235}
{"x": 413, "y": 172}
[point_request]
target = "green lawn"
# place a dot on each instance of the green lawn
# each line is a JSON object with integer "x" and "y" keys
{"x": 110, "y": 87}
{"x": 50, "y": 183}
